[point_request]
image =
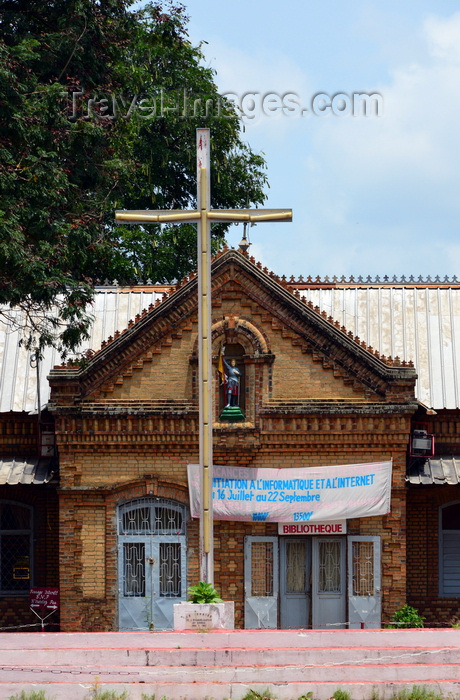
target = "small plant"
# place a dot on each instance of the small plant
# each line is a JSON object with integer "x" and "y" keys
{"x": 254, "y": 695}
{"x": 306, "y": 696}
{"x": 407, "y": 617}
{"x": 204, "y": 593}
{"x": 418, "y": 692}
{"x": 97, "y": 694}
{"x": 341, "y": 695}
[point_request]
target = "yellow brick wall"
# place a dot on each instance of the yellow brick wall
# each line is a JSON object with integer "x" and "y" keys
{"x": 167, "y": 374}
{"x": 92, "y": 551}
{"x": 104, "y": 469}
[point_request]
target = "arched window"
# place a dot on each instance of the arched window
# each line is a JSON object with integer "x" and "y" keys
{"x": 148, "y": 516}
{"x": 449, "y": 550}
{"x": 15, "y": 548}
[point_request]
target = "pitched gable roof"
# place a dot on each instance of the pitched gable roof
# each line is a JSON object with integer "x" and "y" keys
{"x": 235, "y": 275}
{"x": 417, "y": 321}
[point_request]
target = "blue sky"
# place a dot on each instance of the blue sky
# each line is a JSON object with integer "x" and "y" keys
{"x": 371, "y": 195}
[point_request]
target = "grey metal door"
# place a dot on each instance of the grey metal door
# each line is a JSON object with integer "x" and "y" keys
{"x": 295, "y": 582}
{"x": 261, "y": 582}
{"x": 151, "y": 563}
{"x": 364, "y": 592}
{"x": 328, "y": 582}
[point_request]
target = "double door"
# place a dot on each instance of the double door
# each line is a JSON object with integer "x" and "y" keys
{"x": 152, "y": 578}
{"x": 307, "y": 582}
{"x": 151, "y": 564}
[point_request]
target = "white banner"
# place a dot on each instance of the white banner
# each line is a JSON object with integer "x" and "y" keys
{"x": 297, "y": 495}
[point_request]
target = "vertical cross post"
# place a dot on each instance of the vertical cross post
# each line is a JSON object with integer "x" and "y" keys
{"x": 205, "y": 353}
{"x": 203, "y": 216}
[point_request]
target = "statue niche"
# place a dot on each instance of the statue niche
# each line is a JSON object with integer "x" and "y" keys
{"x": 232, "y": 383}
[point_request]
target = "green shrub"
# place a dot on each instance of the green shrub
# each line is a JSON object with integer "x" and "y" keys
{"x": 204, "y": 593}
{"x": 341, "y": 695}
{"x": 407, "y": 617}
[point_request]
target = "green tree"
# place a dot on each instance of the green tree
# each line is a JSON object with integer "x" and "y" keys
{"x": 99, "y": 110}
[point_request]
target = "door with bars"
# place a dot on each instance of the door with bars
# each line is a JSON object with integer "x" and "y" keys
{"x": 151, "y": 563}
{"x": 328, "y": 583}
{"x": 261, "y": 582}
{"x": 295, "y": 582}
{"x": 364, "y": 592}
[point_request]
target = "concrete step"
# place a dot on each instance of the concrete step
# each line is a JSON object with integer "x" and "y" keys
{"x": 232, "y": 674}
{"x": 322, "y": 656}
{"x": 228, "y": 639}
{"x": 224, "y": 665}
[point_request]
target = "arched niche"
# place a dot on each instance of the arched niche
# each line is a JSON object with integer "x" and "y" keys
{"x": 249, "y": 346}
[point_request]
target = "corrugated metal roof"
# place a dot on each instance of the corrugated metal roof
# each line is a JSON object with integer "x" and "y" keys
{"x": 26, "y": 471}
{"x": 414, "y": 322}
{"x": 113, "y": 309}
{"x": 434, "y": 470}
{"x": 419, "y": 323}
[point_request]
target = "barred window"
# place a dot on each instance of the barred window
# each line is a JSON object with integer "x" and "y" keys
{"x": 449, "y": 550}
{"x": 147, "y": 516}
{"x": 15, "y": 548}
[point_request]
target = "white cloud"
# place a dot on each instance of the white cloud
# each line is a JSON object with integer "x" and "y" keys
{"x": 398, "y": 175}
{"x": 443, "y": 36}
{"x": 370, "y": 195}
{"x": 253, "y": 77}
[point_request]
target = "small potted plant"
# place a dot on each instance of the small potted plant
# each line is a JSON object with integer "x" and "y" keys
{"x": 204, "y": 610}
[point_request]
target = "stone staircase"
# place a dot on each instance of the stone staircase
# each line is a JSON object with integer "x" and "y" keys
{"x": 223, "y": 664}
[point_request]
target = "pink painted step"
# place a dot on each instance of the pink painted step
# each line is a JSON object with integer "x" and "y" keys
{"x": 224, "y": 664}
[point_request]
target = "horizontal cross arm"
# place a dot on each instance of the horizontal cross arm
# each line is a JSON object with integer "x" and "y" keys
{"x": 254, "y": 215}
{"x": 159, "y": 216}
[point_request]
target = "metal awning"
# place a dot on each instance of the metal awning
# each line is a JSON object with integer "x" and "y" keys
{"x": 26, "y": 471}
{"x": 431, "y": 471}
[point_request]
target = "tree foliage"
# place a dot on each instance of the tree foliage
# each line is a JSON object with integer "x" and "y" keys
{"x": 99, "y": 111}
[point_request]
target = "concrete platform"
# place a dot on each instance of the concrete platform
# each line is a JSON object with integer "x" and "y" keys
{"x": 224, "y": 664}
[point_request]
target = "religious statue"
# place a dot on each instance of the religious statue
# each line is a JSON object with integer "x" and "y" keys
{"x": 232, "y": 381}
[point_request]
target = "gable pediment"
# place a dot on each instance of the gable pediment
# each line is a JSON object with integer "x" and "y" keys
{"x": 312, "y": 356}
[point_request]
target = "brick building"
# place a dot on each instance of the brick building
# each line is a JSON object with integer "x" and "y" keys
{"x": 107, "y": 515}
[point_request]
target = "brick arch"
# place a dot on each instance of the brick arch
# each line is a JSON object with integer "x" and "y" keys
{"x": 238, "y": 329}
{"x": 151, "y": 487}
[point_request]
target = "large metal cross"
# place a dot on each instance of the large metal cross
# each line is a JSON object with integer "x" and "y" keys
{"x": 204, "y": 216}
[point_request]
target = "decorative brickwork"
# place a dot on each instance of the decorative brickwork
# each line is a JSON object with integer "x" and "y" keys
{"x": 127, "y": 425}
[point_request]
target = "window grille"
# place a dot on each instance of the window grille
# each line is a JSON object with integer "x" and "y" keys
{"x": 329, "y": 567}
{"x": 134, "y": 569}
{"x": 449, "y": 550}
{"x": 146, "y": 516}
{"x": 170, "y": 573}
{"x": 15, "y": 547}
{"x": 296, "y": 563}
{"x": 262, "y": 569}
{"x": 363, "y": 568}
